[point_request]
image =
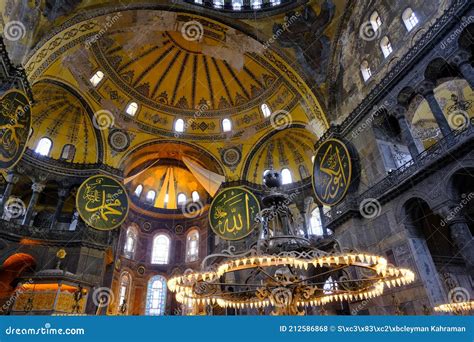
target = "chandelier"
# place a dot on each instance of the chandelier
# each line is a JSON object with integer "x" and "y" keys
{"x": 456, "y": 308}
{"x": 290, "y": 291}
{"x": 283, "y": 270}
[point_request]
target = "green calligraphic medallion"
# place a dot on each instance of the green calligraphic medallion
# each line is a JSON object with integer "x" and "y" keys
{"x": 15, "y": 123}
{"x": 102, "y": 202}
{"x": 332, "y": 172}
{"x": 232, "y": 213}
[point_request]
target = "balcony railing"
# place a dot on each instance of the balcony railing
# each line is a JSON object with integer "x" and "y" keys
{"x": 400, "y": 179}
{"x": 15, "y": 231}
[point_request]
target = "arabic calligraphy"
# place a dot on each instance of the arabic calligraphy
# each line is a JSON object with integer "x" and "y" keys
{"x": 102, "y": 202}
{"x": 331, "y": 172}
{"x": 232, "y": 213}
{"x": 15, "y": 121}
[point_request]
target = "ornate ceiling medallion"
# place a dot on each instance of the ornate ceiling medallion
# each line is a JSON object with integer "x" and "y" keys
{"x": 15, "y": 123}
{"x": 102, "y": 202}
{"x": 231, "y": 156}
{"x": 332, "y": 172}
{"x": 119, "y": 140}
{"x": 233, "y": 212}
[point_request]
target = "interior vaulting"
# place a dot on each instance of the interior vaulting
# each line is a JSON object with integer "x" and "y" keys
{"x": 185, "y": 103}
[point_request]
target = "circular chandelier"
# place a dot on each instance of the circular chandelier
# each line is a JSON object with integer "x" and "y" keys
{"x": 294, "y": 289}
{"x": 455, "y": 307}
{"x": 283, "y": 269}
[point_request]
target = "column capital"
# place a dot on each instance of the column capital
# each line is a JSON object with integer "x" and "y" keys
{"x": 399, "y": 111}
{"x": 12, "y": 178}
{"x": 38, "y": 187}
{"x": 425, "y": 88}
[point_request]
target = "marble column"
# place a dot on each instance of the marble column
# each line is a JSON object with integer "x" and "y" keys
{"x": 407, "y": 137}
{"x": 62, "y": 195}
{"x": 461, "y": 60}
{"x": 427, "y": 90}
{"x": 11, "y": 179}
{"x": 37, "y": 189}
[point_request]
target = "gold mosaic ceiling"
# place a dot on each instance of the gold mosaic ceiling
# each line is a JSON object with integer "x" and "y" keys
{"x": 146, "y": 59}
{"x": 176, "y": 73}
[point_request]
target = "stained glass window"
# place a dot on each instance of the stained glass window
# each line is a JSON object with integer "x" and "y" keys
{"x": 156, "y": 296}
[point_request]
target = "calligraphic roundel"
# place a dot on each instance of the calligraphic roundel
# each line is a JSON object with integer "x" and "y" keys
{"x": 233, "y": 212}
{"x": 332, "y": 172}
{"x": 15, "y": 122}
{"x": 102, "y": 202}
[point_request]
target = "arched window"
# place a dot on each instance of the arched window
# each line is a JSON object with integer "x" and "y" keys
{"x": 68, "y": 152}
{"x": 195, "y": 196}
{"x": 179, "y": 126}
{"x": 237, "y": 5}
{"x": 286, "y": 177}
{"x": 275, "y": 2}
{"x": 226, "y": 125}
{"x": 181, "y": 199}
{"x": 265, "y": 172}
{"x": 44, "y": 146}
{"x": 138, "y": 190}
{"x": 124, "y": 292}
{"x": 156, "y": 296}
{"x": 266, "y": 110}
{"x": 130, "y": 242}
{"x": 256, "y": 4}
{"x": 365, "y": 70}
{"x": 386, "y": 46}
{"x": 96, "y": 78}
{"x": 160, "y": 251}
{"x": 192, "y": 246}
{"x": 198, "y": 2}
{"x": 218, "y": 3}
{"x": 409, "y": 19}
{"x": 375, "y": 21}
{"x": 315, "y": 224}
{"x": 150, "y": 196}
{"x": 132, "y": 109}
